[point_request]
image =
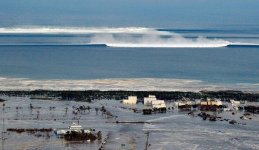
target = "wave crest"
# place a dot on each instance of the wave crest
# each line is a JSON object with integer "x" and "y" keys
{"x": 155, "y": 40}
{"x": 71, "y": 30}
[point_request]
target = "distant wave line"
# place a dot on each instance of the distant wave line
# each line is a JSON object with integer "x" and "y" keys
{"x": 137, "y": 45}
{"x": 73, "y": 30}
{"x": 57, "y": 44}
{"x": 221, "y": 31}
{"x": 121, "y": 45}
{"x": 239, "y": 44}
{"x": 83, "y": 30}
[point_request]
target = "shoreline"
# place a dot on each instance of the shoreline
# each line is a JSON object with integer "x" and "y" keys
{"x": 89, "y": 95}
{"x": 122, "y": 84}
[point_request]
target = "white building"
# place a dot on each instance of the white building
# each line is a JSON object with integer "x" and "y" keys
{"x": 148, "y": 100}
{"x": 235, "y": 103}
{"x": 158, "y": 104}
{"x": 132, "y": 100}
{"x": 183, "y": 102}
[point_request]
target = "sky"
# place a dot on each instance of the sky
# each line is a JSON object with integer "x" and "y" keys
{"x": 121, "y": 13}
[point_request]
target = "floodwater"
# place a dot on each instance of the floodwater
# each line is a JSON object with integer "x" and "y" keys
{"x": 171, "y": 130}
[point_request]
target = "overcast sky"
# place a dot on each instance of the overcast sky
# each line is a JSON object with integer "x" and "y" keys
{"x": 117, "y": 13}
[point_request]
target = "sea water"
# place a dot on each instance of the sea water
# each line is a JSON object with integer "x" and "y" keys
{"x": 123, "y": 57}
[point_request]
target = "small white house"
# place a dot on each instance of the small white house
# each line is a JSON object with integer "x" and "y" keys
{"x": 132, "y": 100}
{"x": 148, "y": 100}
{"x": 183, "y": 102}
{"x": 158, "y": 104}
{"x": 235, "y": 103}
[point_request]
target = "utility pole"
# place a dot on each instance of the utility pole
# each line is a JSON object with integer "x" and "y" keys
{"x": 146, "y": 146}
{"x": 3, "y": 129}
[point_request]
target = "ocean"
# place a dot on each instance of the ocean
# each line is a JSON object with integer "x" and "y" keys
{"x": 135, "y": 58}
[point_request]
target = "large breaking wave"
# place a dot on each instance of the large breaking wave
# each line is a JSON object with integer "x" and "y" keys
{"x": 123, "y": 37}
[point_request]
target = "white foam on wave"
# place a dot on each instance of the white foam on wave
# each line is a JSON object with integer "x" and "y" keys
{"x": 175, "y": 42}
{"x": 127, "y": 84}
{"x": 72, "y": 30}
{"x": 125, "y": 36}
{"x": 155, "y": 39}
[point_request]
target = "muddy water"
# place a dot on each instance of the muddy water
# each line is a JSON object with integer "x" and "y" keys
{"x": 173, "y": 130}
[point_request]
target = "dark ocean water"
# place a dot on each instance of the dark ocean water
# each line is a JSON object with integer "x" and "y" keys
{"x": 216, "y": 65}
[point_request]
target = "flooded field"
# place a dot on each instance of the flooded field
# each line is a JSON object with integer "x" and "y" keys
{"x": 171, "y": 130}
